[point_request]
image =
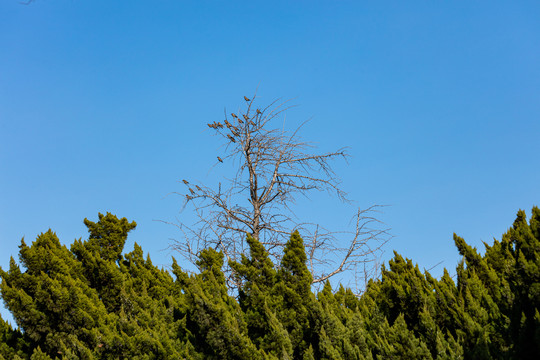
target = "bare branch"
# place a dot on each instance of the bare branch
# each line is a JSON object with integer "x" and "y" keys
{"x": 274, "y": 166}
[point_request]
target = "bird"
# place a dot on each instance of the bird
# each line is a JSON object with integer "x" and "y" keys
{"x": 198, "y": 187}
{"x": 258, "y": 111}
{"x": 188, "y": 197}
{"x": 185, "y": 181}
{"x": 227, "y": 123}
{"x": 246, "y": 98}
{"x": 234, "y": 115}
{"x": 230, "y": 138}
{"x": 219, "y": 125}
{"x": 246, "y": 117}
{"x": 240, "y": 121}
{"x": 252, "y": 123}
{"x": 191, "y": 191}
{"x": 220, "y": 159}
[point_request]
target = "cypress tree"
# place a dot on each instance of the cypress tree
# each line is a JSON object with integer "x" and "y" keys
{"x": 258, "y": 301}
{"x": 213, "y": 318}
{"x": 108, "y": 235}
{"x": 12, "y": 342}
{"x": 91, "y": 302}
{"x": 294, "y": 299}
{"x": 51, "y": 301}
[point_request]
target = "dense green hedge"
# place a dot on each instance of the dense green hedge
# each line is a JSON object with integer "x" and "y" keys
{"x": 92, "y": 302}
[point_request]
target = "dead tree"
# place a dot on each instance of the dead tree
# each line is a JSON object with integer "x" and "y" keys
{"x": 274, "y": 167}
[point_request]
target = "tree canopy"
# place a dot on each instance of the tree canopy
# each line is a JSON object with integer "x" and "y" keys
{"x": 96, "y": 301}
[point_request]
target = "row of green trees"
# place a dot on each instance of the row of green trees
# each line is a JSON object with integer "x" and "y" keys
{"x": 91, "y": 301}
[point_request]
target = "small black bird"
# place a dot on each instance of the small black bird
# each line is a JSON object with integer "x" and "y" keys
{"x": 191, "y": 191}
{"x": 234, "y": 115}
{"x": 198, "y": 187}
{"x": 245, "y": 98}
{"x": 220, "y": 159}
{"x": 185, "y": 181}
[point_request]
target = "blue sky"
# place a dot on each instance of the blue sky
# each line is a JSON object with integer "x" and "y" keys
{"x": 104, "y": 105}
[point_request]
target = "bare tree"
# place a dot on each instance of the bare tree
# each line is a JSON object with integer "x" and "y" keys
{"x": 274, "y": 167}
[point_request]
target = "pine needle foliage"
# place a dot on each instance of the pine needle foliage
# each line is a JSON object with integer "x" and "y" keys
{"x": 95, "y": 301}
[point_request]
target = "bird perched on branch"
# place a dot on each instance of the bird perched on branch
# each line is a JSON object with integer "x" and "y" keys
{"x": 240, "y": 121}
{"x": 246, "y": 98}
{"x": 246, "y": 117}
{"x": 231, "y": 138}
{"x": 198, "y": 187}
{"x": 191, "y": 191}
{"x": 234, "y": 115}
{"x": 188, "y": 197}
{"x": 258, "y": 112}
{"x": 220, "y": 159}
{"x": 185, "y": 181}
{"x": 252, "y": 123}
{"x": 227, "y": 123}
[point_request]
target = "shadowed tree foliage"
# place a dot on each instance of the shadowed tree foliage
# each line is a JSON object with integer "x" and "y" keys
{"x": 12, "y": 342}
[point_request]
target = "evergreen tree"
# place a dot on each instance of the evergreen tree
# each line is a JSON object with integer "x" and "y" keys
{"x": 12, "y": 342}
{"x": 108, "y": 235}
{"x": 338, "y": 335}
{"x": 214, "y": 319}
{"x": 92, "y": 302}
{"x": 51, "y": 301}
{"x": 258, "y": 301}
{"x": 525, "y": 283}
{"x": 37, "y": 354}
{"x": 506, "y": 281}
{"x": 294, "y": 299}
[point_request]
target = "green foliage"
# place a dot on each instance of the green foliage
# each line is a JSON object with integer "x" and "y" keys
{"x": 214, "y": 319}
{"x": 51, "y": 301}
{"x": 108, "y": 235}
{"x": 294, "y": 300}
{"x": 90, "y": 302}
{"x": 93, "y": 302}
{"x": 12, "y": 342}
{"x": 37, "y": 354}
{"x": 258, "y": 301}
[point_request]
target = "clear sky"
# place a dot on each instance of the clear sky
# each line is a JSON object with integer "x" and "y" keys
{"x": 104, "y": 105}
